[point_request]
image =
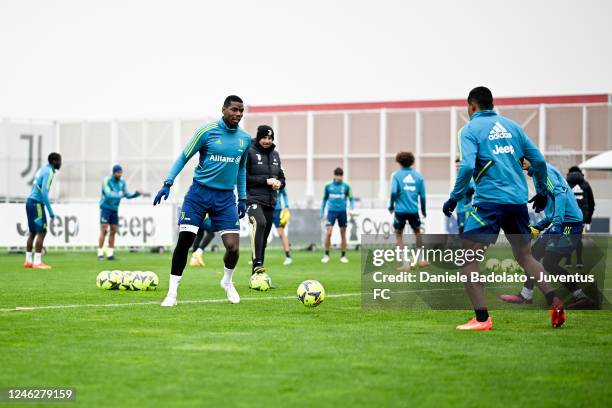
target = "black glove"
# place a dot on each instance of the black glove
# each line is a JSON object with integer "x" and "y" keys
{"x": 449, "y": 207}
{"x": 539, "y": 202}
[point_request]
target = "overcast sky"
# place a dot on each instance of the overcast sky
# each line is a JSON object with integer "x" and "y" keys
{"x": 105, "y": 59}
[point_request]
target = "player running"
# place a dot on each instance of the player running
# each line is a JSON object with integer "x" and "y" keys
{"x": 223, "y": 148}
{"x": 36, "y": 203}
{"x": 334, "y": 198}
{"x": 561, "y": 229}
{"x": 407, "y": 192}
{"x": 204, "y": 236}
{"x": 281, "y": 218}
{"x": 113, "y": 190}
{"x": 490, "y": 149}
{"x": 265, "y": 177}
{"x": 465, "y": 205}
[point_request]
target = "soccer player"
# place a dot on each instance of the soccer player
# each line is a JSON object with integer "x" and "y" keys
{"x": 265, "y": 177}
{"x": 281, "y": 218}
{"x": 490, "y": 149}
{"x": 113, "y": 190}
{"x": 561, "y": 229}
{"x": 36, "y": 203}
{"x": 223, "y": 148}
{"x": 407, "y": 192}
{"x": 335, "y": 195}
{"x": 586, "y": 201}
{"x": 203, "y": 237}
{"x": 465, "y": 205}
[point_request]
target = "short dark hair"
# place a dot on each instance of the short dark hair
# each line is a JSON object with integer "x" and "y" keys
{"x": 574, "y": 169}
{"x": 482, "y": 97}
{"x": 338, "y": 171}
{"x": 54, "y": 157}
{"x": 457, "y": 160}
{"x": 405, "y": 159}
{"x": 232, "y": 98}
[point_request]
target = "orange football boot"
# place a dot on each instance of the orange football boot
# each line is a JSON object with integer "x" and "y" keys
{"x": 475, "y": 325}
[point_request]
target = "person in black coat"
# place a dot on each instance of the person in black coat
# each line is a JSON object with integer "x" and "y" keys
{"x": 265, "y": 177}
{"x": 586, "y": 201}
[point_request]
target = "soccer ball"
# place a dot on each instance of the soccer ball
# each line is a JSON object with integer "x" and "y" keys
{"x": 507, "y": 265}
{"x": 493, "y": 265}
{"x": 260, "y": 281}
{"x": 103, "y": 280}
{"x": 151, "y": 280}
{"x": 126, "y": 281}
{"x": 311, "y": 293}
{"x": 139, "y": 281}
{"x": 115, "y": 278}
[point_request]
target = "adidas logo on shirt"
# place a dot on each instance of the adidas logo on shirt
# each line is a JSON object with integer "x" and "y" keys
{"x": 408, "y": 179}
{"x": 499, "y": 132}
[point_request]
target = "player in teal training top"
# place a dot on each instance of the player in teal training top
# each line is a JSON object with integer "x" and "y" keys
{"x": 335, "y": 196}
{"x": 113, "y": 190}
{"x": 491, "y": 149}
{"x": 557, "y": 235}
{"x": 222, "y": 147}
{"x": 36, "y": 203}
{"x": 407, "y": 193}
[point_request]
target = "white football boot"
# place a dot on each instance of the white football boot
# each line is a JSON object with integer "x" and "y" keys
{"x": 230, "y": 292}
{"x": 169, "y": 301}
{"x": 288, "y": 261}
{"x": 344, "y": 259}
{"x": 325, "y": 259}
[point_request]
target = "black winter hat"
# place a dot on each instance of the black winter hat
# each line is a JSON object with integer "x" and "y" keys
{"x": 264, "y": 130}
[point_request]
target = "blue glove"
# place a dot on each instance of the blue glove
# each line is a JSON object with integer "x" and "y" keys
{"x": 539, "y": 202}
{"x": 449, "y": 207}
{"x": 242, "y": 208}
{"x": 164, "y": 192}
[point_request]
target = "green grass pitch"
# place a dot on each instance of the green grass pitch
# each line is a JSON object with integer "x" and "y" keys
{"x": 271, "y": 351}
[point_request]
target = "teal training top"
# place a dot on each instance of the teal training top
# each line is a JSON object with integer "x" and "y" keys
{"x": 223, "y": 154}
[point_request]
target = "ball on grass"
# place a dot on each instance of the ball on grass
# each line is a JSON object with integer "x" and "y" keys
{"x": 311, "y": 293}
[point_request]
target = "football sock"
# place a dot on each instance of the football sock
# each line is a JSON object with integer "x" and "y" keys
{"x": 550, "y": 297}
{"x": 29, "y": 257}
{"x": 578, "y": 294}
{"x": 100, "y": 252}
{"x": 343, "y": 253}
{"x": 327, "y": 252}
{"x": 173, "y": 285}
{"x": 179, "y": 256}
{"x": 527, "y": 293}
{"x": 227, "y": 275}
{"x": 37, "y": 258}
{"x": 481, "y": 314}
{"x": 287, "y": 254}
{"x": 111, "y": 252}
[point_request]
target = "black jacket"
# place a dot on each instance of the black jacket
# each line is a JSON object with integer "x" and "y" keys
{"x": 584, "y": 194}
{"x": 263, "y": 164}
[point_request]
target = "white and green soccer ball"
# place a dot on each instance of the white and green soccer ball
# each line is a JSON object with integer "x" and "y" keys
{"x": 139, "y": 281}
{"x": 493, "y": 265}
{"x": 507, "y": 265}
{"x": 260, "y": 281}
{"x": 311, "y": 293}
{"x": 151, "y": 281}
{"x": 103, "y": 280}
{"x": 126, "y": 281}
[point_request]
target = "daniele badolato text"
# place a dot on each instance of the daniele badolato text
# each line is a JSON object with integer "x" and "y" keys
{"x": 381, "y": 278}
